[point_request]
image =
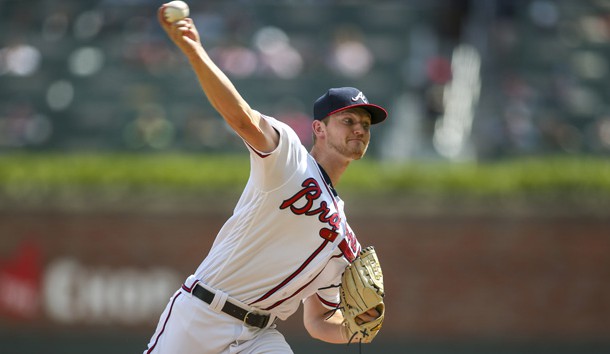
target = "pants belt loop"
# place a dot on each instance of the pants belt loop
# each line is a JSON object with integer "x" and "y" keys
{"x": 272, "y": 319}
{"x": 219, "y": 301}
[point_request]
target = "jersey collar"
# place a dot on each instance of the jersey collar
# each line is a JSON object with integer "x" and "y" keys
{"x": 327, "y": 180}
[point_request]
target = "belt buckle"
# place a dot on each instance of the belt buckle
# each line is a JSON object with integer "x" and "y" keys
{"x": 265, "y": 320}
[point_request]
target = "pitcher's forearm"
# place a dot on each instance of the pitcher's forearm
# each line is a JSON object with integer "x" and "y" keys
{"x": 219, "y": 90}
{"x": 328, "y": 331}
{"x": 323, "y": 324}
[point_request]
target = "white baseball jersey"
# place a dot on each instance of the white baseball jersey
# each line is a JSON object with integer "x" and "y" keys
{"x": 288, "y": 237}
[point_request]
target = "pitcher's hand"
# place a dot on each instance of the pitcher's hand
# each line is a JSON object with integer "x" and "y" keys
{"x": 183, "y": 33}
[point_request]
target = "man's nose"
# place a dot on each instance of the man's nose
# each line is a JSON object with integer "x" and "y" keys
{"x": 359, "y": 129}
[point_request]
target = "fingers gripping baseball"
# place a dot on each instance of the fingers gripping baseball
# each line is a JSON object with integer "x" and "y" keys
{"x": 183, "y": 32}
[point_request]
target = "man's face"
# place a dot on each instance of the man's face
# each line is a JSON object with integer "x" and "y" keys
{"x": 348, "y": 132}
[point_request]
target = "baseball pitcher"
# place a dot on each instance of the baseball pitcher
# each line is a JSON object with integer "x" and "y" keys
{"x": 288, "y": 241}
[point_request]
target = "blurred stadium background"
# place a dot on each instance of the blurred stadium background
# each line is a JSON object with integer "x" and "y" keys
{"x": 466, "y": 82}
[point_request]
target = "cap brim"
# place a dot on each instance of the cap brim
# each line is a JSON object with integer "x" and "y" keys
{"x": 378, "y": 113}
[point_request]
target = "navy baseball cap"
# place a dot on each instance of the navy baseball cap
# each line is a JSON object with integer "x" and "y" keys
{"x": 342, "y": 98}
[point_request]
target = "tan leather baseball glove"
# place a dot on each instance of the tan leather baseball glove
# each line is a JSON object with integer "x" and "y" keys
{"x": 362, "y": 290}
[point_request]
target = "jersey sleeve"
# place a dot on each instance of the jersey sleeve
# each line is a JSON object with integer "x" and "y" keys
{"x": 271, "y": 170}
{"x": 328, "y": 291}
{"x": 329, "y": 297}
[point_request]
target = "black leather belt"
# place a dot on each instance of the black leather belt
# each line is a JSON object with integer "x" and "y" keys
{"x": 249, "y": 318}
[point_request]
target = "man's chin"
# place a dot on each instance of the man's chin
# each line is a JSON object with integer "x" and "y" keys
{"x": 358, "y": 155}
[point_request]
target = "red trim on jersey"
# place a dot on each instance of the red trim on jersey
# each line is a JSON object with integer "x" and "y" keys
{"x": 307, "y": 261}
{"x": 303, "y": 287}
{"x": 260, "y": 154}
{"x": 344, "y": 246}
{"x": 293, "y": 275}
{"x": 164, "y": 324}
{"x": 327, "y": 303}
{"x": 291, "y": 296}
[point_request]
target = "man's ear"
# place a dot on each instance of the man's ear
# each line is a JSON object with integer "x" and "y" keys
{"x": 319, "y": 128}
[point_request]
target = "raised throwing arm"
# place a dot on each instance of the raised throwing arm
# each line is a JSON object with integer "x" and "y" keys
{"x": 219, "y": 90}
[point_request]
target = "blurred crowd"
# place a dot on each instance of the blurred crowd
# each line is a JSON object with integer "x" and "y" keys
{"x": 463, "y": 80}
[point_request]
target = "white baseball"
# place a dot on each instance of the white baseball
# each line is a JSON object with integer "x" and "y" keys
{"x": 176, "y": 11}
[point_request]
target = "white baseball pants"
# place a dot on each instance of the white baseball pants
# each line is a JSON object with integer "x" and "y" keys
{"x": 188, "y": 325}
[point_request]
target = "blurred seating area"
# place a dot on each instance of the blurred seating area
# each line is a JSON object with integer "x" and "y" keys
{"x": 463, "y": 80}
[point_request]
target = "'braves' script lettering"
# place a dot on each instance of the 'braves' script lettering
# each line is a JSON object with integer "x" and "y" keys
{"x": 302, "y": 203}
{"x": 310, "y": 192}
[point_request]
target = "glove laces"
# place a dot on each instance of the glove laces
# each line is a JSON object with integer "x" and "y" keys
{"x": 359, "y": 343}
{"x": 364, "y": 332}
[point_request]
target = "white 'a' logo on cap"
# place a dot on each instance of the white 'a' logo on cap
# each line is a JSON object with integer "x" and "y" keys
{"x": 360, "y": 96}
